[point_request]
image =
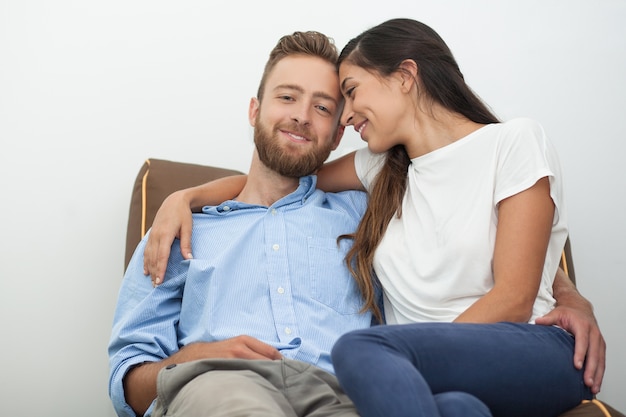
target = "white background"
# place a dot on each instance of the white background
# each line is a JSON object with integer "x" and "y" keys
{"x": 89, "y": 90}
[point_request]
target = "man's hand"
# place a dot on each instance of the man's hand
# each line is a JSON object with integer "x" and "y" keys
{"x": 240, "y": 347}
{"x": 173, "y": 219}
{"x": 589, "y": 340}
{"x": 140, "y": 383}
{"x": 574, "y": 313}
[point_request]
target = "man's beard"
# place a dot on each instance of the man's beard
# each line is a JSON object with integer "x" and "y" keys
{"x": 278, "y": 158}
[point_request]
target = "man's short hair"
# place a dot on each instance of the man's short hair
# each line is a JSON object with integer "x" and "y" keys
{"x": 308, "y": 43}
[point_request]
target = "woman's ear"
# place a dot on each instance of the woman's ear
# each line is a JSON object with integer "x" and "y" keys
{"x": 408, "y": 72}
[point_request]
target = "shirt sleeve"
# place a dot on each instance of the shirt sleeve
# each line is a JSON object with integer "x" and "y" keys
{"x": 144, "y": 325}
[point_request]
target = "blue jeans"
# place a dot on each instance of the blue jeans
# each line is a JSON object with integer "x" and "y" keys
{"x": 516, "y": 369}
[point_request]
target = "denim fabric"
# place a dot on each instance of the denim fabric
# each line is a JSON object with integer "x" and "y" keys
{"x": 516, "y": 369}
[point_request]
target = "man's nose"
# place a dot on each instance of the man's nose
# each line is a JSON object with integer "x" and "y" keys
{"x": 302, "y": 115}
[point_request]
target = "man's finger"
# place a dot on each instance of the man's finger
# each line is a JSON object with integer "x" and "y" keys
{"x": 263, "y": 349}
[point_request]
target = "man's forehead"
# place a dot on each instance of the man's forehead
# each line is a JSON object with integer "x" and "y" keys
{"x": 311, "y": 74}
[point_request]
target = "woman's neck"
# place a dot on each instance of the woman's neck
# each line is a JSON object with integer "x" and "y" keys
{"x": 439, "y": 128}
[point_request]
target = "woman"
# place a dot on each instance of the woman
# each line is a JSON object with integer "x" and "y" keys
{"x": 465, "y": 224}
{"x": 464, "y": 230}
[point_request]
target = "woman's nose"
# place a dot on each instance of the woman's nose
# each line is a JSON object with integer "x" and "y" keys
{"x": 347, "y": 116}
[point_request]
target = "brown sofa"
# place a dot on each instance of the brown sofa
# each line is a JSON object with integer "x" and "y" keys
{"x": 158, "y": 178}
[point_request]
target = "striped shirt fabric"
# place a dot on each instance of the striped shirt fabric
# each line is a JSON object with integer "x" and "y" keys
{"x": 275, "y": 273}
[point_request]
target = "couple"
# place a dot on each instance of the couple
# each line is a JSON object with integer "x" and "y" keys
{"x": 464, "y": 222}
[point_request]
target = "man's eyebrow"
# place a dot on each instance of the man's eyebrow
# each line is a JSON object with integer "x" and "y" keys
{"x": 299, "y": 89}
{"x": 323, "y": 95}
{"x": 289, "y": 87}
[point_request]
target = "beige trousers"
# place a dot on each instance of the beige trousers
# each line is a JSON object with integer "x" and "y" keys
{"x": 249, "y": 388}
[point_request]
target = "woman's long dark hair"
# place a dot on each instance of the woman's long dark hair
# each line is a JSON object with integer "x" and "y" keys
{"x": 381, "y": 50}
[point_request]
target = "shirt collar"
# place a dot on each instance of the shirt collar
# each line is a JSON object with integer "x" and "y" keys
{"x": 305, "y": 189}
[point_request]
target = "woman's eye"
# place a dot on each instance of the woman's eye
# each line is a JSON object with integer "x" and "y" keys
{"x": 350, "y": 92}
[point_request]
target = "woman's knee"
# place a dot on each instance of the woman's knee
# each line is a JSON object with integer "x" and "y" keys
{"x": 352, "y": 346}
{"x": 456, "y": 403}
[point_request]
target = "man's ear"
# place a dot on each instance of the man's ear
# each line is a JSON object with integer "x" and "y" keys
{"x": 408, "y": 72}
{"x": 253, "y": 110}
{"x": 338, "y": 136}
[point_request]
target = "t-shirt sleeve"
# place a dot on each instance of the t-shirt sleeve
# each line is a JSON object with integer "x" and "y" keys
{"x": 367, "y": 166}
{"x": 525, "y": 155}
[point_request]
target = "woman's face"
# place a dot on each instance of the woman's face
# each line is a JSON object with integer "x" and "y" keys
{"x": 375, "y": 106}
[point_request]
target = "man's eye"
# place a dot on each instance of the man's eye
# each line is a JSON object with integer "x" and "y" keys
{"x": 287, "y": 98}
{"x": 324, "y": 108}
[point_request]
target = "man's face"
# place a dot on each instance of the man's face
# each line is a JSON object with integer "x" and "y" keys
{"x": 296, "y": 125}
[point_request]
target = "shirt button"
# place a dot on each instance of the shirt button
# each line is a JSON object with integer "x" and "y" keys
{"x": 226, "y": 208}
{"x": 287, "y": 330}
{"x": 281, "y": 290}
{"x": 273, "y": 212}
{"x": 275, "y": 246}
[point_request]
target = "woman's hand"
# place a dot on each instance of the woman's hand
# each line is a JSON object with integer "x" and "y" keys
{"x": 173, "y": 220}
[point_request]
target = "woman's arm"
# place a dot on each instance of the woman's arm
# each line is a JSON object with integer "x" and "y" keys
{"x": 339, "y": 175}
{"x": 173, "y": 219}
{"x": 524, "y": 223}
{"x": 524, "y": 227}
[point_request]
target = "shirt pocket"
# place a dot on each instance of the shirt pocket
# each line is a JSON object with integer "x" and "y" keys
{"x": 330, "y": 280}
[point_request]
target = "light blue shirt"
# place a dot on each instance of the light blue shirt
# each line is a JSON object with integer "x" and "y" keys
{"x": 275, "y": 273}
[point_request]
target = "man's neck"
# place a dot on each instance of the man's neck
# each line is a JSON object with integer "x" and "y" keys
{"x": 265, "y": 186}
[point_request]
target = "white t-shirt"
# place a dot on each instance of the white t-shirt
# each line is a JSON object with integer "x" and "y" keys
{"x": 436, "y": 260}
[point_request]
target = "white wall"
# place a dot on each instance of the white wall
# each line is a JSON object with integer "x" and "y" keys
{"x": 88, "y": 90}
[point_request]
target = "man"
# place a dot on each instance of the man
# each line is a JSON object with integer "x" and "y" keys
{"x": 267, "y": 293}
{"x": 267, "y": 281}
